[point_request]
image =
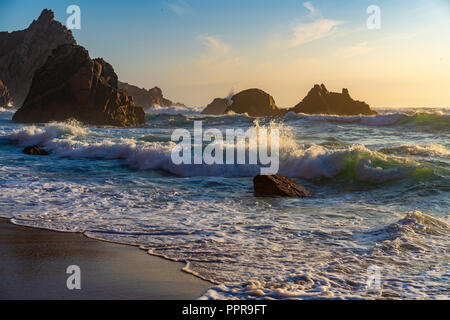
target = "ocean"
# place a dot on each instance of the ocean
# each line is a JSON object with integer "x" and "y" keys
{"x": 380, "y": 201}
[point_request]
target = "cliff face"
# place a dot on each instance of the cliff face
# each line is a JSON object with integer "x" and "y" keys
{"x": 147, "y": 98}
{"x": 5, "y": 98}
{"x": 320, "y": 101}
{"x": 70, "y": 85}
{"x": 23, "y": 52}
{"x": 254, "y": 102}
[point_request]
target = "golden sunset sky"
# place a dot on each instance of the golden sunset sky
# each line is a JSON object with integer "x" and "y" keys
{"x": 198, "y": 50}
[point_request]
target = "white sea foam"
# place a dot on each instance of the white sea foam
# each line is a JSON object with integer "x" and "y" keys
{"x": 307, "y": 161}
{"x": 258, "y": 248}
{"x": 431, "y": 150}
{"x": 344, "y": 276}
{"x": 33, "y": 135}
{"x": 388, "y": 118}
{"x": 176, "y": 109}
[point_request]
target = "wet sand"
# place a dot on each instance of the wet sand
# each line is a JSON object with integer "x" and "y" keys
{"x": 33, "y": 265}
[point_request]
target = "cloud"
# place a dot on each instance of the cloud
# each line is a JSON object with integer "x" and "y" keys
{"x": 307, "y": 32}
{"x": 218, "y": 57}
{"x": 355, "y": 50}
{"x": 179, "y": 8}
{"x": 318, "y": 29}
{"x": 216, "y": 46}
{"x": 313, "y": 11}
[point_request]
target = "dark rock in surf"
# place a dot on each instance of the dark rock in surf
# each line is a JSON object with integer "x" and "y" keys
{"x": 254, "y": 102}
{"x": 71, "y": 85}
{"x": 320, "y": 101}
{"x": 35, "y": 151}
{"x": 279, "y": 185}
{"x": 217, "y": 107}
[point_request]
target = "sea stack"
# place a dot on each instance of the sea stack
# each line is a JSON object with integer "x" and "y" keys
{"x": 254, "y": 102}
{"x": 147, "y": 98}
{"x": 320, "y": 101}
{"x": 23, "y": 52}
{"x": 71, "y": 85}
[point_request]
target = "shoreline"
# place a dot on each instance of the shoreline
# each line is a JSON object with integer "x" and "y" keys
{"x": 33, "y": 264}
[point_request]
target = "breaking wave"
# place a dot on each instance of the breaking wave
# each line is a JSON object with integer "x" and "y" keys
{"x": 439, "y": 120}
{"x": 392, "y": 247}
{"x": 175, "y": 109}
{"x": 306, "y": 161}
{"x": 432, "y": 150}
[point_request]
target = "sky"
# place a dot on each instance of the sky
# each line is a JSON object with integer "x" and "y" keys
{"x": 197, "y": 50}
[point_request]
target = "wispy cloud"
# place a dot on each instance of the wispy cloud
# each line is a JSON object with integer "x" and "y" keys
{"x": 214, "y": 44}
{"x": 180, "y": 8}
{"x": 319, "y": 28}
{"x": 313, "y": 11}
{"x": 218, "y": 55}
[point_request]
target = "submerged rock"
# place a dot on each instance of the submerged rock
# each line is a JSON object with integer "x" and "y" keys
{"x": 5, "y": 97}
{"x": 217, "y": 107}
{"x": 279, "y": 185}
{"x": 23, "y": 52}
{"x": 71, "y": 85}
{"x": 320, "y": 101}
{"x": 35, "y": 151}
{"x": 254, "y": 102}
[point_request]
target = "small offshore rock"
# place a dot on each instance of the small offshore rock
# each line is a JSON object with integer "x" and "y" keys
{"x": 279, "y": 185}
{"x": 35, "y": 151}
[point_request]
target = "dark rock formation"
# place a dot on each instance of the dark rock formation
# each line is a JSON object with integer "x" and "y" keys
{"x": 5, "y": 98}
{"x": 147, "y": 98}
{"x": 254, "y": 102}
{"x": 23, "y": 52}
{"x": 35, "y": 151}
{"x": 217, "y": 107}
{"x": 320, "y": 101}
{"x": 73, "y": 86}
{"x": 278, "y": 185}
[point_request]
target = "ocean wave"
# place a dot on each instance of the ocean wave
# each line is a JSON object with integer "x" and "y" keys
{"x": 33, "y": 135}
{"x": 306, "y": 161}
{"x": 435, "y": 119}
{"x": 408, "y": 233}
{"x": 346, "y": 276}
{"x": 176, "y": 109}
{"x": 432, "y": 150}
{"x": 7, "y": 110}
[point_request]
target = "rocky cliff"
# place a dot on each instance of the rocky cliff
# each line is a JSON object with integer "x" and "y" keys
{"x": 254, "y": 102}
{"x": 147, "y": 98}
{"x": 70, "y": 85}
{"x": 23, "y": 52}
{"x": 5, "y": 98}
{"x": 320, "y": 101}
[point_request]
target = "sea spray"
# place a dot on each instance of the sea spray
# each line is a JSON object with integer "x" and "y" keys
{"x": 306, "y": 161}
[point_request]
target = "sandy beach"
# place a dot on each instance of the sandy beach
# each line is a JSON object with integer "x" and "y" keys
{"x": 33, "y": 265}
